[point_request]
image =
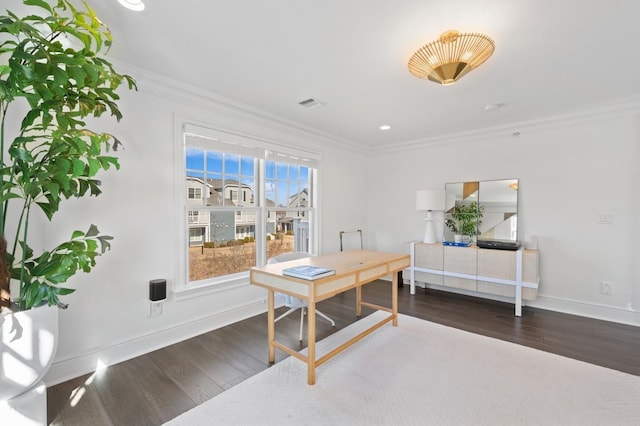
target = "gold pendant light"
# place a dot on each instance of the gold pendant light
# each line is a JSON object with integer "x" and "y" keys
{"x": 450, "y": 57}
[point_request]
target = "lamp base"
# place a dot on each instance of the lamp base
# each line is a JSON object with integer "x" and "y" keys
{"x": 430, "y": 231}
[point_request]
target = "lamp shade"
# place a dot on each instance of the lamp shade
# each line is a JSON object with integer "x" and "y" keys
{"x": 427, "y": 199}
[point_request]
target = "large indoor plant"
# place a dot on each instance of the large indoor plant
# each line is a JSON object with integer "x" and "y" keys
{"x": 51, "y": 71}
{"x": 52, "y": 78}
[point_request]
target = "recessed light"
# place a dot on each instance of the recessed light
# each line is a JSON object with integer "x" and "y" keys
{"x": 136, "y": 5}
{"x": 385, "y": 127}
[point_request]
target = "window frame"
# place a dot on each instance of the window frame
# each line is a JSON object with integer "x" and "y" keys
{"x": 215, "y": 139}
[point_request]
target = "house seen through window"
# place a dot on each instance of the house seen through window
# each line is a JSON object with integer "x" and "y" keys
{"x": 242, "y": 206}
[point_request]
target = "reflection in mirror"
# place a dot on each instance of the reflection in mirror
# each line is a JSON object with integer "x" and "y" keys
{"x": 499, "y": 200}
{"x": 485, "y": 210}
{"x": 461, "y": 212}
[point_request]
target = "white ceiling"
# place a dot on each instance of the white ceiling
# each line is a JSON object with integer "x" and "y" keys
{"x": 552, "y": 58}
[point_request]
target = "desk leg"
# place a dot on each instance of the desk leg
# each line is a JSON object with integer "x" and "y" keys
{"x": 271, "y": 325}
{"x": 394, "y": 299}
{"x": 311, "y": 339}
{"x": 359, "y": 301}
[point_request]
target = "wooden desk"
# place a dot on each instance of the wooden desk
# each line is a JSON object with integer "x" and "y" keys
{"x": 353, "y": 269}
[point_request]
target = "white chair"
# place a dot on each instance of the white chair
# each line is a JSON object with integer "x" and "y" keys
{"x": 293, "y": 303}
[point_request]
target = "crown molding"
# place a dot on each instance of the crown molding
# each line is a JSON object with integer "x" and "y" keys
{"x": 162, "y": 86}
{"x": 170, "y": 88}
{"x": 622, "y": 108}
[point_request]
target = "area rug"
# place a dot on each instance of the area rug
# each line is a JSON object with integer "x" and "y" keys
{"x": 421, "y": 373}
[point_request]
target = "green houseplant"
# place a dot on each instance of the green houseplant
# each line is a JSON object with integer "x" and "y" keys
{"x": 465, "y": 219}
{"x": 52, "y": 74}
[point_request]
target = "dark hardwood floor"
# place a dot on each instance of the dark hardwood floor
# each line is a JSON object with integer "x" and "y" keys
{"x": 154, "y": 388}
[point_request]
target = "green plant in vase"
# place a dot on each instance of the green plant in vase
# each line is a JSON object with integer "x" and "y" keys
{"x": 465, "y": 219}
{"x": 51, "y": 68}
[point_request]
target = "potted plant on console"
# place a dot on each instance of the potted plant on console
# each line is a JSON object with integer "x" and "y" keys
{"x": 52, "y": 78}
{"x": 464, "y": 220}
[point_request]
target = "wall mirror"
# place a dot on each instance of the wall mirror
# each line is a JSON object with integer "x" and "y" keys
{"x": 481, "y": 210}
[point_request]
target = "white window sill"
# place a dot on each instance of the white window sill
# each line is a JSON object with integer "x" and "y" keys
{"x": 210, "y": 287}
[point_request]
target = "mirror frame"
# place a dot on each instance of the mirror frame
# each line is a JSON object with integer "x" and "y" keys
{"x": 485, "y": 210}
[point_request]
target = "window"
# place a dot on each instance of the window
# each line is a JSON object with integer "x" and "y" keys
{"x": 227, "y": 245}
{"x": 196, "y": 235}
{"x": 194, "y": 193}
{"x": 288, "y": 186}
{"x": 257, "y": 203}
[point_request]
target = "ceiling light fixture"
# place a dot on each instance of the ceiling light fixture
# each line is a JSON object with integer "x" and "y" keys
{"x": 452, "y": 56}
{"x": 136, "y": 5}
{"x": 385, "y": 127}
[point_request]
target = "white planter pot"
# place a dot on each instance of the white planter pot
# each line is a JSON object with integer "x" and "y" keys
{"x": 29, "y": 343}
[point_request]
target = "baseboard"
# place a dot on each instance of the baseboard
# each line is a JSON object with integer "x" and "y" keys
{"x": 567, "y": 306}
{"x": 591, "y": 310}
{"x": 89, "y": 362}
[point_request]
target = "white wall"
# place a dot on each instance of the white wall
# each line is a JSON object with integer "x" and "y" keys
{"x": 569, "y": 173}
{"x": 107, "y": 321}
{"x": 344, "y": 197}
{"x": 635, "y": 228}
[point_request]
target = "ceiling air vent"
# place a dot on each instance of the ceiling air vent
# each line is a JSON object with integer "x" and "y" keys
{"x": 311, "y": 103}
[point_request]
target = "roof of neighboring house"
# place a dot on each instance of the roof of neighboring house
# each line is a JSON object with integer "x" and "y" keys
{"x": 216, "y": 184}
{"x": 215, "y": 197}
{"x": 304, "y": 191}
{"x": 293, "y": 199}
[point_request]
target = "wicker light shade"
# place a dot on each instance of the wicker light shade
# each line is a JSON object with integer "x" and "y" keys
{"x": 450, "y": 57}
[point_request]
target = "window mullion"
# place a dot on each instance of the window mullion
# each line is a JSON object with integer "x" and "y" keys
{"x": 261, "y": 225}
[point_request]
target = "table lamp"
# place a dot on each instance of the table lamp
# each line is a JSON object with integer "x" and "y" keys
{"x": 430, "y": 200}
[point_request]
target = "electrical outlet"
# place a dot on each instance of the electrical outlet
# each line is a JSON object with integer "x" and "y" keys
{"x": 606, "y": 287}
{"x": 155, "y": 308}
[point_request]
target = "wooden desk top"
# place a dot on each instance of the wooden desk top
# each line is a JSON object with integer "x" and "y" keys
{"x": 353, "y": 268}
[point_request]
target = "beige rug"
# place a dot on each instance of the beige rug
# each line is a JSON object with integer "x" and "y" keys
{"x": 422, "y": 373}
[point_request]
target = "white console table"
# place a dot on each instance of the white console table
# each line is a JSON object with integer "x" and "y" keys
{"x": 499, "y": 272}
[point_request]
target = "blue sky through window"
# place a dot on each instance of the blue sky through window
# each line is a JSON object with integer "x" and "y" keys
{"x": 283, "y": 180}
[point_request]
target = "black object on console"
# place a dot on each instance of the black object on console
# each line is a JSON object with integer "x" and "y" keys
{"x": 499, "y": 244}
